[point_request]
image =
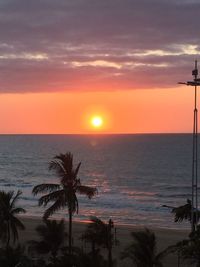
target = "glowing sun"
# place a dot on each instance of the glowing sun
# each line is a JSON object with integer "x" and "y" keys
{"x": 97, "y": 121}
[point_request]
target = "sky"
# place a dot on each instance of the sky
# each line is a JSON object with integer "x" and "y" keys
{"x": 63, "y": 62}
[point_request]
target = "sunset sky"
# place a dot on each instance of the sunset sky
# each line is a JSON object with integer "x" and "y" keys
{"x": 63, "y": 62}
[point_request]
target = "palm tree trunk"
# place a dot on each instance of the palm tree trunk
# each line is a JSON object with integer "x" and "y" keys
{"x": 110, "y": 256}
{"x": 110, "y": 225}
{"x": 8, "y": 233}
{"x": 70, "y": 232}
{"x": 109, "y": 249}
{"x": 93, "y": 251}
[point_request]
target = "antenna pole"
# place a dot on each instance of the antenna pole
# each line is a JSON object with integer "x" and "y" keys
{"x": 194, "y": 202}
{"x": 194, "y": 211}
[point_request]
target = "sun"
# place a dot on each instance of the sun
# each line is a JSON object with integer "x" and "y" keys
{"x": 97, "y": 121}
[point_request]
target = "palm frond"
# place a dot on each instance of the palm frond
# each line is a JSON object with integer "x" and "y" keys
{"x": 142, "y": 251}
{"x": 52, "y": 236}
{"x": 99, "y": 233}
{"x": 145, "y": 242}
{"x": 71, "y": 200}
{"x": 5, "y": 198}
{"x": 76, "y": 205}
{"x": 8, "y": 222}
{"x": 15, "y": 198}
{"x": 18, "y": 223}
{"x": 44, "y": 188}
{"x": 18, "y": 210}
{"x": 182, "y": 212}
{"x": 13, "y": 228}
{"x": 77, "y": 169}
{"x": 68, "y": 156}
{"x": 66, "y": 160}
{"x": 58, "y": 204}
{"x": 58, "y": 167}
{"x": 87, "y": 190}
{"x": 3, "y": 231}
{"x": 53, "y": 196}
{"x": 63, "y": 165}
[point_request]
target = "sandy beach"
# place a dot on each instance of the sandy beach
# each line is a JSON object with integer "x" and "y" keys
{"x": 165, "y": 238}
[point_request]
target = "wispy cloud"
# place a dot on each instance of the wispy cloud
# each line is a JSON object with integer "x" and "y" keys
{"x": 97, "y": 63}
{"x": 49, "y": 45}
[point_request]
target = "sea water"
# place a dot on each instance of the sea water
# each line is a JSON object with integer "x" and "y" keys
{"x": 135, "y": 174}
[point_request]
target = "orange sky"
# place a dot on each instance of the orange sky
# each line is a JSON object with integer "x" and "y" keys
{"x": 134, "y": 111}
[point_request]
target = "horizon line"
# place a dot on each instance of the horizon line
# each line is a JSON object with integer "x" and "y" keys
{"x": 138, "y": 133}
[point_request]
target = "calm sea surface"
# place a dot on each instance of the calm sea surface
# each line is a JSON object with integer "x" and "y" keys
{"x": 135, "y": 174}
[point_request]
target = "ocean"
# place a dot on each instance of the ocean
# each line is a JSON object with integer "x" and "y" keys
{"x": 134, "y": 174}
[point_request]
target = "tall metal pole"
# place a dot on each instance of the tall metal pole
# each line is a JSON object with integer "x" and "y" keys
{"x": 194, "y": 157}
{"x": 110, "y": 226}
{"x": 194, "y": 208}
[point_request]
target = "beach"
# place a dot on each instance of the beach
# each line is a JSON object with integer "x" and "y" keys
{"x": 165, "y": 237}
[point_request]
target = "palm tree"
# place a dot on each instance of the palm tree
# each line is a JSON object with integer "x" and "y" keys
{"x": 94, "y": 234}
{"x": 184, "y": 212}
{"x": 191, "y": 250}
{"x": 100, "y": 234}
{"x": 63, "y": 194}
{"x": 188, "y": 249}
{"x": 52, "y": 235}
{"x": 142, "y": 251}
{"x": 9, "y": 223}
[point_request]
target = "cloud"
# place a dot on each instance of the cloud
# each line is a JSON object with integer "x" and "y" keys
{"x": 49, "y": 45}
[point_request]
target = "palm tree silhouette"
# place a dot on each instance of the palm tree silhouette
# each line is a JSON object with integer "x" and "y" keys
{"x": 63, "y": 194}
{"x": 52, "y": 236}
{"x": 100, "y": 234}
{"x": 9, "y": 223}
{"x": 142, "y": 251}
{"x": 94, "y": 234}
{"x": 183, "y": 212}
{"x": 188, "y": 249}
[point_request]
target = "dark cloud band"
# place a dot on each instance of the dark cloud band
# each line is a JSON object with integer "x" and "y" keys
{"x": 92, "y": 45}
